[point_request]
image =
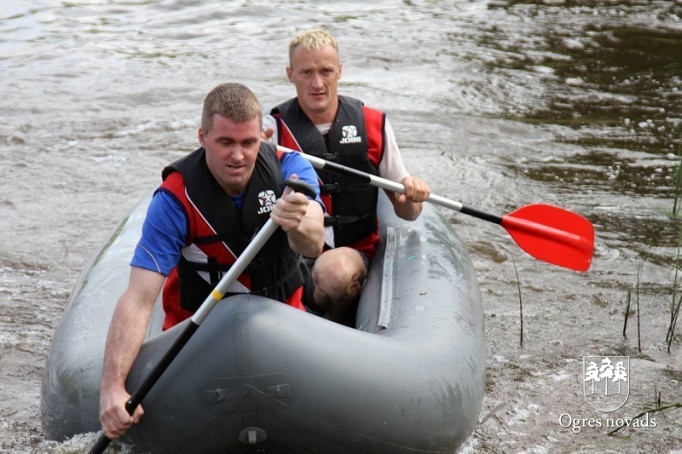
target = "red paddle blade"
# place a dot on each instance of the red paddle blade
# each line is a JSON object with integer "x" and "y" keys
{"x": 552, "y": 234}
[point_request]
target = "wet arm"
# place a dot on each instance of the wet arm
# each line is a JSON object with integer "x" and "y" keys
{"x": 126, "y": 333}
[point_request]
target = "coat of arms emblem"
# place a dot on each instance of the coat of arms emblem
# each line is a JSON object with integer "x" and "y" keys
{"x": 606, "y": 381}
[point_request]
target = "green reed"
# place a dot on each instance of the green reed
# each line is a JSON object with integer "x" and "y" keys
{"x": 659, "y": 408}
{"x": 628, "y": 300}
{"x": 639, "y": 328}
{"x": 676, "y": 301}
{"x": 518, "y": 287}
{"x": 678, "y": 185}
{"x": 628, "y": 308}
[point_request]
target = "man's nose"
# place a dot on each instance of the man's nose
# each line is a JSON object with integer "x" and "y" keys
{"x": 317, "y": 80}
{"x": 237, "y": 152}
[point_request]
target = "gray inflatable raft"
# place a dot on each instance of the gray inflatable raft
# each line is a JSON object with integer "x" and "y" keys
{"x": 260, "y": 376}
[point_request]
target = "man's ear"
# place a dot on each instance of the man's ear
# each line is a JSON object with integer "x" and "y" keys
{"x": 200, "y": 136}
{"x": 289, "y": 74}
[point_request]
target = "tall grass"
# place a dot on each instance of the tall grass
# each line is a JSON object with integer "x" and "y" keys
{"x": 628, "y": 310}
{"x": 676, "y": 301}
{"x": 657, "y": 409}
{"x": 627, "y": 313}
{"x": 678, "y": 185}
{"x": 518, "y": 287}
{"x": 639, "y": 326}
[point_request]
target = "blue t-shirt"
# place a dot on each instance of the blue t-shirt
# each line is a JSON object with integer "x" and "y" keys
{"x": 164, "y": 232}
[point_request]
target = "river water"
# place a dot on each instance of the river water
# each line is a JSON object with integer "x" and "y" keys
{"x": 497, "y": 104}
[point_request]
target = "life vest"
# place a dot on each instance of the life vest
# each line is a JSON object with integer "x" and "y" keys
{"x": 356, "y": 140}
{"x": 218, "y": 233}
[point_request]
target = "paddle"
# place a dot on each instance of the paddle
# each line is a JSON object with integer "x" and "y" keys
{"x": 200, "y": 315}
{"x": 546, "y": 232}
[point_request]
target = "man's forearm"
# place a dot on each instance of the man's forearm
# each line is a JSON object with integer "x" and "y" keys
{"x": 408, "y": 210}
{"x": 125, "y": 337}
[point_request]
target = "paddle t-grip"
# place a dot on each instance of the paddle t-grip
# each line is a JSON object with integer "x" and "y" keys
{"x": 300, "y": 186}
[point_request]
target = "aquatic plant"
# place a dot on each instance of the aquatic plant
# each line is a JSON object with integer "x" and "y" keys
{"x": 657, "y": 409}
{"x": 678, "y": 184}
{"x": 518, "y": 287}
{"x": 676, "y": 301}
{"x": 627, "y": 313}
{"x": 639, "y": 332}
{"x": 628, "y": 305}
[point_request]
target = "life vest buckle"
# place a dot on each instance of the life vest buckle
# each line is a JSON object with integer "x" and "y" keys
{"x": 331, "y": 188}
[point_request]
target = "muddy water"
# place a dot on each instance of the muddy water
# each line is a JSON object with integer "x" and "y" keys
{"x": 496, "y": 104}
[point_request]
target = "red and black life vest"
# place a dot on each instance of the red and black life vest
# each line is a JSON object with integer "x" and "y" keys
{"x": 356, "y": 140}
{"x": 218, "y": 233}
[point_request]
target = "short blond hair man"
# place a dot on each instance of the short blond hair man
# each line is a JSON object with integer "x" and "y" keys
{"x": 320, "y": 122}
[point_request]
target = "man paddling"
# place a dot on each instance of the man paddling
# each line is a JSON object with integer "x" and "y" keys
{"x": 323, "y": 123}
{"x": 201, "y": 218}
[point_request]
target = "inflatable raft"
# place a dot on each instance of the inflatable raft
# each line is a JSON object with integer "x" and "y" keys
{"x": 260, "y": 376}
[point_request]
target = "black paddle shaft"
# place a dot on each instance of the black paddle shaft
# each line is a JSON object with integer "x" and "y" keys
{"x": 481, "y": 215}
